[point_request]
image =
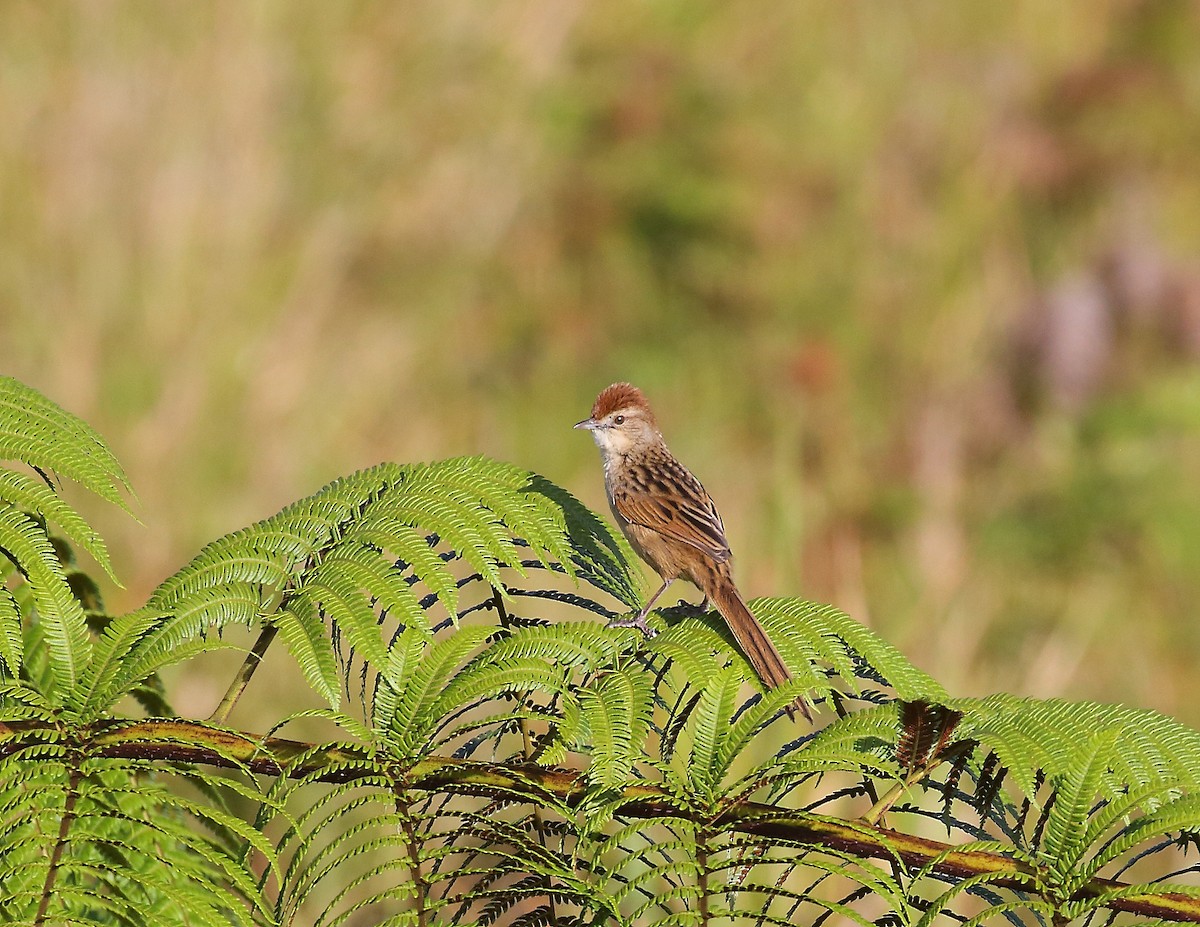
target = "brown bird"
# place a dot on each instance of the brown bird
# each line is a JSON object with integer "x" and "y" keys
{"x": 672, "y": 522}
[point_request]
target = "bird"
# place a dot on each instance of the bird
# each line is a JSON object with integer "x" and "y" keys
{"x": 672, "y": 522}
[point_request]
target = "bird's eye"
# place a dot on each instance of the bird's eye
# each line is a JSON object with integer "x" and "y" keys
{"x": 619, "y": 420}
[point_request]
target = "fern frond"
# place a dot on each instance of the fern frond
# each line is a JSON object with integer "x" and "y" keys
{"x": 1032, "y": 735}
{"x": 863, "y": 739}
{"x": 418, "y": 672}
{"x": 141, "y": 643}
{"x": 346, "y": 560}
{"x": 599, "y": 555}
{"x": 394, "y": 856}
{"x": 417, "y": 551}
{"x": 940, "y": 906}
{"x": 701, "y": 767}
{"x": 817, "y": 641}
{"x": 37, "y": 432}
{"x": 36, "y": 497}
{"x": 12, "y": 639}
{"x": 449, "y": 498}
{"x": 810, "y": 635}
{"x": 90, "y": 835}
{"x": 303, "y": 631}
{"x": 615, "y": 711}
{"x": 58, "y": 612}
{"x": 1174, "y": 817}
{"x": 585, "y": 645}
{"x": 335, "y": 593}
{"x": 751, "y": 719}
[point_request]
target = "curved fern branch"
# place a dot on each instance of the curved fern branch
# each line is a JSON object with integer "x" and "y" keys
{"x": 184, "y": 742}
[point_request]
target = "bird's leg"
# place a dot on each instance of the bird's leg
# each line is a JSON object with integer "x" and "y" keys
{"x": 639, "y": 620}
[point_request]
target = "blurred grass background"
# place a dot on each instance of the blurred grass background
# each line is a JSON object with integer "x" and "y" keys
{"x": 914, "y": 287}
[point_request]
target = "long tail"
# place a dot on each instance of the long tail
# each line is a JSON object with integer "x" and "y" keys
{"x": 750, "y": 635}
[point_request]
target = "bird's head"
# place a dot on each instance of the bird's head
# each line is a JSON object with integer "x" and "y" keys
{"x": 621, "y": 419}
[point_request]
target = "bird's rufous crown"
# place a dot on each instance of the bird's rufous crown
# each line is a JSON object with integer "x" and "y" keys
{"x": 621, "y": 396}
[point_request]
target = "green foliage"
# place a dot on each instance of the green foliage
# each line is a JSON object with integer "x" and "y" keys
{"x": 46, "y": 440}
{"x": 1030, "y": 734}
{"x": 89, "y": 840}
{"x": 503, "y": 757}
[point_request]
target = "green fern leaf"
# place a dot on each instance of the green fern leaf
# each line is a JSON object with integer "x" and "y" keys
{"x": 598, "y": 554}
{"x": 122, "y": 843}
{"x": 336, "y": 594}
{"x": 1076, "y": 790}
{"x": 39, "y": 433}
{"x": 404, "y": 656}
{"x": 12, "y": 640}
{"x": 1043, "y": 910}
{"x": 59, "y": 614}
{"x": 308, "y": 642}
{"x": 810, "y": 637}
{"x": 1174, "y": 817}
{"x": 135, "y": 646}
{"x": 708, "y": 726}
{"x": 436, "y": 498}
{"x": 36, "y": 497}
{"x": 344, "y": 560}
{"x": 616, "y": 714}
{"x": 418, "y": 672}
{"x": 387, "y": 532}
{"x": 1032, "y": 735}
{"x": 865, "y": 739}
{"x": 810, "y": 634}
{"x": 582, "y": 644}
{"x": 752, "y": 719}
{"x": 486, "y": 681}
{"x": 886, "y": 884}
{"x": 691, "y": 646}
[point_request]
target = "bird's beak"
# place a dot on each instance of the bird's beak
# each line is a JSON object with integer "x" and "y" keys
{"x": 588, "y": 424}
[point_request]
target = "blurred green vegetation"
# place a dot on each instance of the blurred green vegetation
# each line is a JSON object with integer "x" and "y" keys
{"x": 914, "y": 287}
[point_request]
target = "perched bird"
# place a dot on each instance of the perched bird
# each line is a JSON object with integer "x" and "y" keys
{"x": 671, "y": 521}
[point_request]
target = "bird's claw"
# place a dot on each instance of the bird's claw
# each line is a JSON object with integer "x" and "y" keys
{"x": 692, "y": 609}
{"x": 637, "y": 621}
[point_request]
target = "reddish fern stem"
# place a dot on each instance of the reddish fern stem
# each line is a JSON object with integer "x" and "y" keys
{"x": 64, "y": 826}
{"x": 414, "y": 857}
{"x": 702, "y": 862}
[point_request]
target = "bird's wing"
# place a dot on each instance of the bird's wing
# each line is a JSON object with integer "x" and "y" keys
{"x": 670, "y": 501}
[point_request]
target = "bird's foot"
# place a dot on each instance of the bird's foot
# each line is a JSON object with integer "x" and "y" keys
{"x": 692, "y": 609}
{"x": 637, "y": 621}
